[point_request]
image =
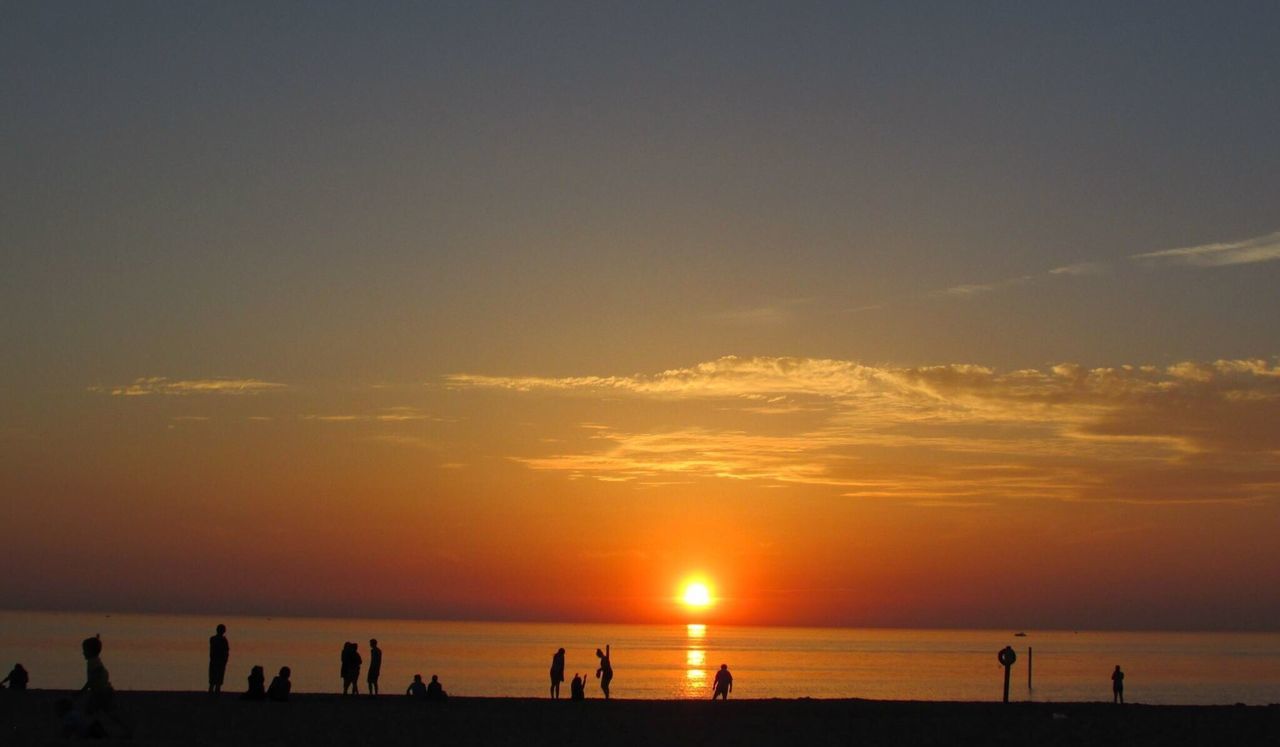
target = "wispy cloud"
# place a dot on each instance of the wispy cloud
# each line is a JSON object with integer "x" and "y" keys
{"x": 974, "y": 289}
{"x": 1080, "y": 268}
{"x": 399, "y": 414}
{"x": 1128, "y": 432}
{"x": 1257, "y": 249}
{"x": 150, "y": 385}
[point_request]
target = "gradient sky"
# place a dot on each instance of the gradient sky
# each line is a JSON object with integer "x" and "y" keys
{"x": 894, "y": 314}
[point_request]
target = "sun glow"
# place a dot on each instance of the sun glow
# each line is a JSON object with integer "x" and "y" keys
{"x": 696, "y": 595}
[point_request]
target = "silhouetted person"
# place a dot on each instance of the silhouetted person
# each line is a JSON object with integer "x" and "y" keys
{"x": 557, "y": 673}
{"x": 1117, "y": 686}
{"x": 375, "y": 666}
{"x": 219, "y": 653}
{"x": 417, "y": 688}
{"x": 351, "y": 661}
{"x": 280, "y": 686}
{"x": 605, "y": 672}
{"x": 578, "y": 688}
{"x": 257, "y": 684}
{"x": 435, "y": 691}
{"x": 17, "y": 679}
{"x": 101, "y": 696}
{"x": 723, "y": 683}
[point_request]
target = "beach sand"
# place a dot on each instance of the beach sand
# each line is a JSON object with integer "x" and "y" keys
{"x": 195, "y": 719}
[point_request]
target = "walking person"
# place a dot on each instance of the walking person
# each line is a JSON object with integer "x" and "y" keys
{"x": 219, "y": 654}
{"x": 723, "y": 683}
{"x": 101, "y": 695}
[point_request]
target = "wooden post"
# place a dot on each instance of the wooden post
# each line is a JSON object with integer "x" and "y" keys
{"x": 1028, "y": 667}
{"x": 1006, "y": 657}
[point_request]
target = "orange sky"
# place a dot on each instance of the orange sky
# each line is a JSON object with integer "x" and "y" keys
{"x": 807, "y": 491}
{"x": 870, "y": 314}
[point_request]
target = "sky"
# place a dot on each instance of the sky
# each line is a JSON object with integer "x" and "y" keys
{"x": 865, "y": 314}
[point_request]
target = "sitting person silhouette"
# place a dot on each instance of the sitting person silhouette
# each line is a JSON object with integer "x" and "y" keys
{"x": 435, "y": 691}
{"x": 280, "y": 686}
{"x": 578, "y": 688}
{"x": 17, "y": 679}
{"x": 257, "y": 684}
{"x": 417, "y": 688}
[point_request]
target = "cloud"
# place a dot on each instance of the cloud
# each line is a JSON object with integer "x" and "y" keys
{"x": 399, "y": 414}
{"x": 975, "y": 289}
{"x": 1080, "y": 268}
{"x": 1257, "y": 249}
{"x": 1190, "y": 432}
{"x": 147, "y": 386}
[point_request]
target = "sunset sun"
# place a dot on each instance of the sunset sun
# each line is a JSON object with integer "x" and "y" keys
{"x": 696, "y": 595}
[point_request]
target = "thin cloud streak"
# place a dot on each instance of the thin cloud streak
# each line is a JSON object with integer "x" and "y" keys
{"x": 1222, "y": 254}
{"x": 152, "y": 385}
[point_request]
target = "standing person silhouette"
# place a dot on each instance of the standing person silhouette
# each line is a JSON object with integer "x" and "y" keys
{"x": 1117, "y": 686}
{"x": 723, "y": 683}
{"x": 375, "y": 666}
{"x": 351, "y": 661}
{"x": 219, "y": 653}
{"x": 557, "y": 673}
{"x": 605, "y": 672}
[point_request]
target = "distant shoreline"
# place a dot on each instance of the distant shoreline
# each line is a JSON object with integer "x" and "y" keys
{"x": 316, "y": 718}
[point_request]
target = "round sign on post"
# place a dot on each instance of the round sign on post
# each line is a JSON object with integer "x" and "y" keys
{"x": 1006, "y": 657}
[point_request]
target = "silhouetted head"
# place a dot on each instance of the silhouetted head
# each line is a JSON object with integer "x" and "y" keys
{"x": 417, "y": 678}
{"x": 91, "y": 646}
{"x": 560, "y": 651}
{"x": 1117, "y": 667}
{"x": 435, "y": 678}
{"x": 257, "y": 669}
{"x": 373, "y": 641}
{"x": 285, "y": 672}
{"x": 599, "y": 653}
{"x": 724, "y": 666}
{"x": 221, "y": 628}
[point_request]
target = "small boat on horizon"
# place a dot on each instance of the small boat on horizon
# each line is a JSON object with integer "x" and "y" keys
{"x": 1019, "y": 634}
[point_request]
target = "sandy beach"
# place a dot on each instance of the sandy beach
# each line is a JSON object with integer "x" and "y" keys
{"x": 195, "y": 719}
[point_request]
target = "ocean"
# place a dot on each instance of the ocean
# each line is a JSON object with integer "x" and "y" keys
{"x": 163, "y": 652}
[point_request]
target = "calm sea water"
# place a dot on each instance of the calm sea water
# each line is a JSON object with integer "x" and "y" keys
{"x": 154, "y": 652}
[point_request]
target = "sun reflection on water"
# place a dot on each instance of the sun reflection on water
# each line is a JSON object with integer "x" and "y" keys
{"x": 695, "y": 658}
